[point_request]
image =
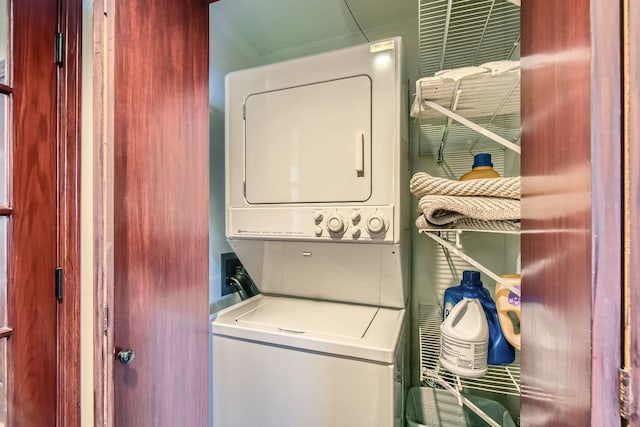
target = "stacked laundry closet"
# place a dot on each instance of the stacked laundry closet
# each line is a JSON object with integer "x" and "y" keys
{"x": 316, "y": 199}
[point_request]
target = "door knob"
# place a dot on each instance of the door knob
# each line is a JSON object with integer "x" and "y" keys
{"x": 125, "y": 356}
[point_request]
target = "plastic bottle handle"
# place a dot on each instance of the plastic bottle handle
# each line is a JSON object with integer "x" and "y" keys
{"x": 506, "y": 324}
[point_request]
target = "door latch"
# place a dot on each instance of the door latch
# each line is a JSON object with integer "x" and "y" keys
{"x": 625, "y": 393}
{"x": 125, "y": 356}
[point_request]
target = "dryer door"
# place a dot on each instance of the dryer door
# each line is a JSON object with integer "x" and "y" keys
{"x": 309, "y": 144}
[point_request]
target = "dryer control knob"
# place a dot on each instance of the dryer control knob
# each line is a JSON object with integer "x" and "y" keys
{"x": 318, "y": 231}
{"x": 317, "y": 217}
{"x": 335, "y": 224}
{"x": 376, "y": 223}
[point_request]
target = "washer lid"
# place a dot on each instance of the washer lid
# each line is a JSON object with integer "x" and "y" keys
{"x": 346, "y": 330}
{"x": 316, "y": 317}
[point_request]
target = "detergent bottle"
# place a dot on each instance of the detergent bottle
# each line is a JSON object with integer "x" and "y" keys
{"x": 470, "y": 282}
{"x": 482, "y": 168}
{"x": 464, "y": 338}
{"x": 508, "y": 307}
{"x": 501, "y": 352}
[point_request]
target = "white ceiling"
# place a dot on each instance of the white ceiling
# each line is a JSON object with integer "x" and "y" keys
{"x": 266, "y": 30}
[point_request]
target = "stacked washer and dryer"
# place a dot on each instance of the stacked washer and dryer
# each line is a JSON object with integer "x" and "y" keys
{"x": 316, "y": 197}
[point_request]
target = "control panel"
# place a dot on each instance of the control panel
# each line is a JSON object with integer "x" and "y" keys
{"x": 370, "y": 223}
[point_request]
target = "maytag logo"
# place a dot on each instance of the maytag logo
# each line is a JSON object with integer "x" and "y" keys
{"x": 240, "y": 231}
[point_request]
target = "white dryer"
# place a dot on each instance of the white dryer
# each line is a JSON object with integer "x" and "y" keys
{"x": 316, "y": 186}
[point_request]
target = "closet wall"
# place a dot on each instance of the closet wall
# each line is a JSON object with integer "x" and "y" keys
{"x": 224, "y": 56}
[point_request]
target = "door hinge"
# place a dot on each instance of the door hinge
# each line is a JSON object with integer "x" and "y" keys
{"x": 59, "y": 284}
{"x": 625, "y": 393}
{"x": 59, "y": 49}
{"x": 105, "y": 319}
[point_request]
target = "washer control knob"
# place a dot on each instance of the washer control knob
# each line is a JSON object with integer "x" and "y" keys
{"x": 335, "y": 224}
{"x": 356, "y": 233}
{"x": 376, "y": 223}
{"x": 318, "y": 231}
{"x": 318, "y": 217}
{"x": 355, "y": 217}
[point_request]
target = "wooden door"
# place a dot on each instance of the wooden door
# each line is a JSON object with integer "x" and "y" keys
{"x": 572, "y": 210}
{"x": 28, "y": 221}
{"x": 160, "y": 196}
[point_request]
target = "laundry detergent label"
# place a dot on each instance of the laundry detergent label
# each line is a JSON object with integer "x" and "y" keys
{"x": 447, "y": 309}
{"x": 463, "y": 354}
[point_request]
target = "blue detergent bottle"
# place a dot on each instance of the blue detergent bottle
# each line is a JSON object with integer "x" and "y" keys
{"x": 500, "y": 351}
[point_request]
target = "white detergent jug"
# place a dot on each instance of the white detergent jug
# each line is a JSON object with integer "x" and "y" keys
{"x": 464, "y": 339}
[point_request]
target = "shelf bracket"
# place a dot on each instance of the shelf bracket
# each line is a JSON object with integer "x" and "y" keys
{"x": 452, "y": 247}
{"x": 504, "y": 101}
{"x": 463, "y": 400}
{"x": 445, "y": 134}
{"x": 468, "y": 123}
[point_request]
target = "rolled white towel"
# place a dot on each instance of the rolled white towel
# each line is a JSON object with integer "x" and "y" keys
{"x": 423, "y": 184}
{"x": 444, "y": 210}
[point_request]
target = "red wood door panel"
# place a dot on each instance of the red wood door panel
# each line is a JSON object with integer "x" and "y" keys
{"x": 32, "y": 347}
{"x": 160, "y": 210}
{"x": 571, "y": 212}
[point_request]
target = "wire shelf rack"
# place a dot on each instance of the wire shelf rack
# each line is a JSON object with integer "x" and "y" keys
{"x": 499, "y": 379}
{"x": 463, "y": 33}
{"x": 459, "y": 33}
{"x": 473, "y": 110}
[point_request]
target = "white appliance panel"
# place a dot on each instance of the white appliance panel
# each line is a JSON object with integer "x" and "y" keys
{"x": 308, "y": 316}
{"x": 378, "y": 343}
{"x": 368, "y": 274}
{"x": 309, "y": 143}
{"x": 309, "y": 379}
{"x": 269, "y": 386}
{"x": 313, "y": 223}
{"x": 311, "y": 111}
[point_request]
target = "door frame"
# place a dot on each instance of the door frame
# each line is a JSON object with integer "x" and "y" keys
{"x": 103, "y": 219}
{"x": 631, "y": 291}
{"x": 68, "y": 121}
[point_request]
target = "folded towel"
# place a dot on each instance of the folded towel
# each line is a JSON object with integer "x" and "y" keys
{"x": 485, "y": 204}
{"x": 423, "y": 184}
{"x": 443, "y": 210}
{"x": 470, "y": 224}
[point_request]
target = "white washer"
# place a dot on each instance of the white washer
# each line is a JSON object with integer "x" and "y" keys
{"x": 316, "y": 189}
{"x": 281, "y": 361}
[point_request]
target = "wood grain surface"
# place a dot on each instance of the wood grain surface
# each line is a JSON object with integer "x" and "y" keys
{"x": 571, "y": 211}
{"x": 68, "y": 237}
{"x": 161, "y": 212}
{"x": 32, "y": 347}
{"x": 632, "y": 224}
